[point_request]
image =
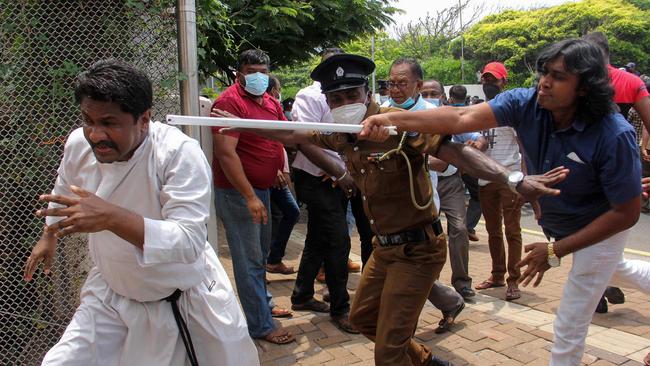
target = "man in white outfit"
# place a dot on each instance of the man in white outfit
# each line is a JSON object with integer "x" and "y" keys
{"x": 141, "y": 190}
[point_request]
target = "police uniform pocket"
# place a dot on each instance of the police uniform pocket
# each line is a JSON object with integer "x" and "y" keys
{"x": 390, "y": 165}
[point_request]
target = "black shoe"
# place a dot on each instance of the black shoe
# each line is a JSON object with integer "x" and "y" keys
{"x": 435, "y": 361}
{"x": 602, "y": 306}
{"x": 312, "y": 305}
{"x": 343, "y": 323}
{"x": 448, "y": 320}
{"x": 614, "y": 295}
{"x": 466, "y": 292}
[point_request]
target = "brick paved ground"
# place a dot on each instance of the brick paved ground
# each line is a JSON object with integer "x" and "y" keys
{"x": 490, "y": 331}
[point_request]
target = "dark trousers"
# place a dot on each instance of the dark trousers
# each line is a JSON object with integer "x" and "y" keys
{"x": 474, "y": 207}
{"x": 327, "y": 242}
{"x": 363, "y": 227}
{"x": 285, "y": 208}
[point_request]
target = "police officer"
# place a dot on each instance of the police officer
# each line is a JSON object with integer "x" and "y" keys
{"x": 393, "y": 180}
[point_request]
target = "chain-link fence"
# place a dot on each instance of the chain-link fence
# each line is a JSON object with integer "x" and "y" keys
{"x": 44, "y": 44}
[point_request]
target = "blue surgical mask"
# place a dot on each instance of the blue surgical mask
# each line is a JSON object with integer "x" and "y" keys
{"x": 434, "y": 101}
{"x": 404, "y": 105}
{"x": 256, "y": 83}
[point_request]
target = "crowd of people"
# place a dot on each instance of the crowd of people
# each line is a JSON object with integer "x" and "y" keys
{"x": 157, "y": 293}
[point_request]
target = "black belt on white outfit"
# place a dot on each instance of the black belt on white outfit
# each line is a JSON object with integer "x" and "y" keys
{"x": 182, "y": 327}
{"x": 409, "y": 236}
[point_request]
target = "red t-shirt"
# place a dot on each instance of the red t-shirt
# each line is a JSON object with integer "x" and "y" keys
{"x": 628, "y": 88}
{"x": 261, "y": 158}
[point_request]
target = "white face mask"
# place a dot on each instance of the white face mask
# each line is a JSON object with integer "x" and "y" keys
{"x": 350, "y": 113}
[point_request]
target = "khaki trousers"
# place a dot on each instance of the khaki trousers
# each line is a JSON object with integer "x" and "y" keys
{"x": 501, "y": 205}
{"x": 392, "y": 291}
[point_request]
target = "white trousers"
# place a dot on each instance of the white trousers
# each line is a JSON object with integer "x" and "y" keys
{"x": 590, "y": 274}
{"x": 108, "y": 329}
{"x": 632, "y": 273}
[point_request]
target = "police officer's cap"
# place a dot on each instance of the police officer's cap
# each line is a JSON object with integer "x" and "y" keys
{"x": 343, "y": 71}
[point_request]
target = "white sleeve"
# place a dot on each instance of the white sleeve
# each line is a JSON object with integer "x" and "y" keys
{"x": 306, "y": 109}
{"x": 181, "y": 234}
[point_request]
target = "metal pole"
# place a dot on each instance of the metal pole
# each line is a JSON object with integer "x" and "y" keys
{"x": 372, "y": 52}
{"x": 188, "y": 63}
{"x": 462, "y": 44}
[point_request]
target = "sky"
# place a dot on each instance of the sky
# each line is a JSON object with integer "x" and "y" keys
{"x": 415, "y": 9}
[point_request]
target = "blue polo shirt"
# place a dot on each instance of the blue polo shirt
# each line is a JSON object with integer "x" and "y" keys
{"x": 602, "y": 157}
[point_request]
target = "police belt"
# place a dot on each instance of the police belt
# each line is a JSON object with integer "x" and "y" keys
{"x": 182, "y": 327}
{"x": 409, "y": 236}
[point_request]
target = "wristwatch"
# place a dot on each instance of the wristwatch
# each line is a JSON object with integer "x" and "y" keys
{"x": 551, "y": 258}
{"x": 514, "y": 178}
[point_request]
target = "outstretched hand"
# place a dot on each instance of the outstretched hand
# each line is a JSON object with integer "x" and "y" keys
{"x": 220, "y": 113}
{"x": 44, "y": 252}
{"x": 536, "y": 262}
{"x": 374, "y": 128}
{"x": 85, "y": 213}
{"x": 535, "y": 186}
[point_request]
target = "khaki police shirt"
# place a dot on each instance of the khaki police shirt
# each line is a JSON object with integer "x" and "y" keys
{"x": 384, "y": 186}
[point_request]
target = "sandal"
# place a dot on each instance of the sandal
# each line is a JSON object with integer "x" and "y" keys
{"x": 512, "y": 292}
{"x": 489, "y": 283}
{"x": 279, "y": 336}
{"x": 278, "y": 312}
{"x": 646, "y": 360}
{"x": 280, "y": 268}
{"x": 313, "y": 305}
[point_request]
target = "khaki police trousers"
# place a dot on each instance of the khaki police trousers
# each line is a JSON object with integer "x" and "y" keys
{"x": 393, "y": 288}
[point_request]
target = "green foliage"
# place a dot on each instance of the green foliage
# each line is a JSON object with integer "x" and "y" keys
{"x": 209, "y": 93}
{"x": 516, "y": 37}
{"x": 513, "y": 37}
{"x": 289, "y": 30}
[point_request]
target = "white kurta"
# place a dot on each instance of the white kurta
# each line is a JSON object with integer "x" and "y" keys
{"x": 121, "y": 319}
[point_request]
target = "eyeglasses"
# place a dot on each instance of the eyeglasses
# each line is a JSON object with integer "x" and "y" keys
{"x": 398, "y": 85}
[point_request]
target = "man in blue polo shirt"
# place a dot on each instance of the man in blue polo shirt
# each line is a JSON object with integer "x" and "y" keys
{"x": 567, "y": 121}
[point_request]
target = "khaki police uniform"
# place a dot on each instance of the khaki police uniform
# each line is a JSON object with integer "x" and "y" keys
{"x": 409, "y": 246}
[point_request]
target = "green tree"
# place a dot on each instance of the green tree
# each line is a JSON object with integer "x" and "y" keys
{"x": 289, "y": 30}
{"x": 516, "y": 37}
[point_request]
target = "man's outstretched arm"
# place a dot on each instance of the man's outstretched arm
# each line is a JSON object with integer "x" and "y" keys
{"x": 442, "y": 121}
{"x": 479, "y": 165}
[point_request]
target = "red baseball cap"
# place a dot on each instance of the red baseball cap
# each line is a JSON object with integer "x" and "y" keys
{"x": 497, "y": 69}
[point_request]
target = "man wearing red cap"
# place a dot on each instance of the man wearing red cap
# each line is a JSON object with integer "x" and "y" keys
{"x": 499, "y": 203}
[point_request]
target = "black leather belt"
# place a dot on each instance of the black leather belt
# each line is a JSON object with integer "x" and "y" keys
{"x": 409, "y": 236}
{"x": 182, "y": 327}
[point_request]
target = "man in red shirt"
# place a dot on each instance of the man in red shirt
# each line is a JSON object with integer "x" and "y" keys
{"x": 245, "y": 167}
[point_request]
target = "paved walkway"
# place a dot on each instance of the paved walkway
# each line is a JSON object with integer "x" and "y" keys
{"x": 490, "y": 331}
